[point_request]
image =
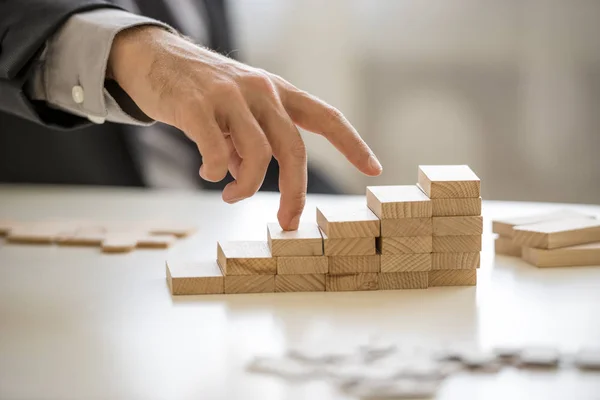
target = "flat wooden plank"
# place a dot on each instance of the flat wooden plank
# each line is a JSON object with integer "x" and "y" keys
{"x": 457, "y": 226}
{"x": 455, "y": 261}
{"x": 455, "y": 277}
{"x": 306, "y": 241}
{"x": 119, "y": 242}
{"x": 246, "y": 258}
{"x": 175, "y": 228}
{"x": 403, "y": 280}
{"x": 505, "y": 246}
{"x": 456, "y": 207}
{"x": 358, "y": 246}
{"x": 300, "y": 283}
{"x": 401, "y": 201}
{"x": 405, "y": 262}
{"x": 351, "y": 282}
{"x": 156, "y": 241}
{"x": 405, "y": 245}
{"x": 579, "y": 255}
{"x": 402, "y": 227}
{"x": 194, "y": 278}
{"x": 38, "y": 233}
{"x": 348, "y": 221}
{"x": 354, "y": 264}
{"x": 302, "y": 265}
{"x": 448, "y": 181}
{"x": 504, "y": 226}
{"x": 558, "y": 233}
{"x": 456, "y": 244}
{"x": 249, "y": 284}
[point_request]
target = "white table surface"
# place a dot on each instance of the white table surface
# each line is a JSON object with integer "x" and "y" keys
{"x": 78, "y": 324}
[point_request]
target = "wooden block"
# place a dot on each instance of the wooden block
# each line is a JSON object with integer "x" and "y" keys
{"x": 306, "y": 241}
{"x": 302, "y": 265}
{"x": 456, "y": 207}
{"x": 405, "y": 245}
{"x": 190, "y": 278}
{"x": 505, "y": 246}
{"x": 351, "y": 282}
{"x": 455, "y": 261}
{"x": 156, "y": 241}
{"x": 353, "y": 264}
{"x": 300, "y": 283}
{"x": 456, "y": 244}
{"x": 119, "y": 243}
{"x": 403, "y": 201}
{"x": 457, "y": 226}
{"x": 403, "y": 280}
{"x": 454, "y": 277}
{"x": 406, "y": 227}
{"x": 579, "y": 255}
{"x": 559, "y": 233}
{"x": 358, "y": 246}
{"x": 345, "y": 222}
{"x": 504, "y": 226}
{"x": 249, "y": 284}
{"x": 405, "y": 262}
{"x": 449, "y": 181}
{"x": 246, "y": 258}
{"x": 179, "y": 229}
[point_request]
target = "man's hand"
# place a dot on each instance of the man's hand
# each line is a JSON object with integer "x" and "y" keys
{"x": 237, "y": 115}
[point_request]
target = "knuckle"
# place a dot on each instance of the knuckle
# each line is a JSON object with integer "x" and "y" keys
{"x": 224, "y": 90}
{"x": 297, "y": 201}
{"x": 259, "y": 81}
{"x": 297, "y": 149}
{"x": 216, "y": 157}
{"x": 333, "y": 115}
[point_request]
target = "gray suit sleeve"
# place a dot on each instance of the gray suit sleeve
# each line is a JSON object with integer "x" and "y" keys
{"x": 72, "y": 70}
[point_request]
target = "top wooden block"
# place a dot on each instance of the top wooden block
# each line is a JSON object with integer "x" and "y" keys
{"x": 404, "y": 201}
{"x": 449, "y": 181}
{"x": 344, "y": 221}
{"x": 559, "y": 233}
{"x": 246, "y": 258}
{"x": 504, "y": 226}
{"x": 306, "y": 241}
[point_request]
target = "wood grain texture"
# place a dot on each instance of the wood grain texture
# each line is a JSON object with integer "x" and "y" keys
{"x": 194, "y": 278}
{"x": 456, "y": 244}
{"x": 579, "y": 255}
{"x": 457, "y": 226}
{"x": 405, "y": 262}
{"x": 246, "y": 258}
{"x": 504, "y": 226}
{"x": 402, "y": 227}
{"x": 455, "y": 277}
{"x": 156, "y": 241}
{"x": 348, "y": 246}
{"x": 448, "y": 181}
{"x": 505, "y": 246}
{"x": 456, "y": 207}
{"x": 559, "y": 233}
{"x": 405, "y": 245}
{"x": 455, "y": 261}
{"x": 403, "y": 280}
{"x": 306, "y": 241}
{"x": 345, "y": 222}
{"x": 351, "y": 282}
{"x": 402, "y": 201}
{"x": 300, "y": 283}
{"x": 249, "y": 284}
{"x": 119, "y": 243}
{"x": 302, "y": 265}
{"x": 354, "y": 264}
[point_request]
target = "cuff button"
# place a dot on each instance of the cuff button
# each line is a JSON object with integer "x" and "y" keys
{"x": 77, "y": 94}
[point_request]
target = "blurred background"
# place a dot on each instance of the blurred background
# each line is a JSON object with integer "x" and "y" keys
{"x": 510, "y": 87}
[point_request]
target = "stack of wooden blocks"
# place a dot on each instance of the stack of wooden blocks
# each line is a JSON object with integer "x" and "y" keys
{"x": 405, "y": 237}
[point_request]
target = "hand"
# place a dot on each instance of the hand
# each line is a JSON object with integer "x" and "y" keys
{"x": 238, "y": 116}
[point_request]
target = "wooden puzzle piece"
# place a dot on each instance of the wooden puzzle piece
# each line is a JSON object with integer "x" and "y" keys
{"x": 356, "y": 246}
{"x": 350, "y": 221}
{"x": 402, "y": 201}
{"x": 302, "y": 265}
{"x": 119, "y": 243}
{"x": 441, "y": 261}
{"x": 456, "y": 207}
{"x": 448, "y": 181}
{"x": 306, "y": 241}
{"x": 505, "y": 246}
{"x": 394, "y": 389}
{"x": 300, "y": 283}
{"x": 156, "y": 241}
{"x": 588, "y": 358}
{"x": 504, "y": 226}
{"x": 403, "y": 280}
{"x": 37, "y": 233}
{"x": 246, "y": 258}
{"x": 558, "y": 233}
{"x": 406, "y": 227}
{"x": 454, "y": 277}
{"x": 405, "y": 262}
{"x": 249, "y": 284}
{"x": 404, "y": 245}
{"x": 341, "y": 265}
{"x": 538, "y": 356}
{"x": 459, "y": 244}
{"x": 83, "y": 237}
{"x": 194, "y": 278}
{"x": 6, "y": 226}
{"x": 579, "y": 255}
{"x": 457, "y": 226}
{"x": 179, "y": 229}
{"x": 351, "y": 282}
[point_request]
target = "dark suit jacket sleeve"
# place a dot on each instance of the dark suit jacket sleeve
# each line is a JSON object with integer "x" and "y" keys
{"x": 25, "y": 25}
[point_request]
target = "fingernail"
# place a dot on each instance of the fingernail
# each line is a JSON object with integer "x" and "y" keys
{"x": 374, "y": 163}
